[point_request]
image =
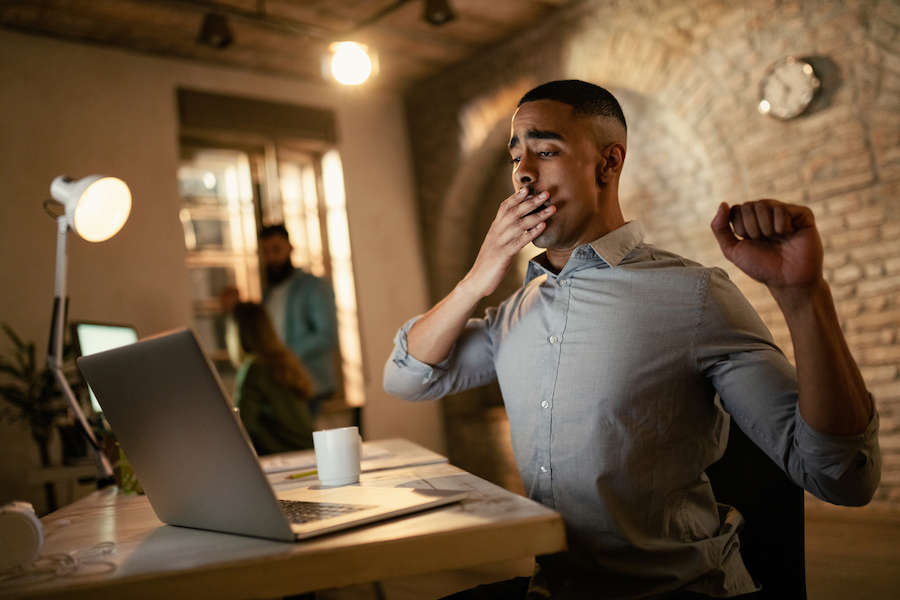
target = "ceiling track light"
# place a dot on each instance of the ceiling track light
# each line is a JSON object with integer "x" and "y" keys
{"x": 438, "y": 12}
{"x": 215, "y": 31}
{"x": 350, "y": 64}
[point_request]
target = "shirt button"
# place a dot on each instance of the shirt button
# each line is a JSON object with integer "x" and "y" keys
{"x": 545, "y": 404}
{"x": 563, "y": 282}
{"x": 553, "y": 339}
{"x": 544, "y": 469}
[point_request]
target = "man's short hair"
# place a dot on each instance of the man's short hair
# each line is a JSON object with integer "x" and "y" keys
{"x": 585, "y": 98}
{"x": 273, "y": 230}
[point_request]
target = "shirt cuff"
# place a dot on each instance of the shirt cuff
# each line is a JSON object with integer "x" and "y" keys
{"x": 835, "y": 455}
{"x": 413, "y": 366}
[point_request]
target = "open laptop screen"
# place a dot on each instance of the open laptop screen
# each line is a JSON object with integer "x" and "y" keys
{"x": 98, "y": 337}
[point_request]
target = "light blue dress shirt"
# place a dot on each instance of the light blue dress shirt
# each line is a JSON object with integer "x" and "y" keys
{"x": 614, "y": 374}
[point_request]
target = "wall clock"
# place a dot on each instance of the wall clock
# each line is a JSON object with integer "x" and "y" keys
{"x": 788, "y": 88}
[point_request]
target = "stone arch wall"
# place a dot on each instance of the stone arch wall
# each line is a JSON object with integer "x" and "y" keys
{"x": 463, "y": 201}
{"x": 686, "y": 73}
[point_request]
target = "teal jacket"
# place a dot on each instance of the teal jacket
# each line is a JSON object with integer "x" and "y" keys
{"x": 310, "y": 329}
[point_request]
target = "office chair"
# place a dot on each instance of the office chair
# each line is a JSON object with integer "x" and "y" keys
{"x": 772, "y": 543}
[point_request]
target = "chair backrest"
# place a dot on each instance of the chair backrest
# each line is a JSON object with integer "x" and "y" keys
{"x": 772, "y": 543}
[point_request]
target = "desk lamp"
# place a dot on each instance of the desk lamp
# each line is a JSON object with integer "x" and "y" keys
{"x": 96, "y": 207}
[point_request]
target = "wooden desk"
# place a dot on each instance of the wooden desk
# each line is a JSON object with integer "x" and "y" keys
{"x": 153, "y": 560}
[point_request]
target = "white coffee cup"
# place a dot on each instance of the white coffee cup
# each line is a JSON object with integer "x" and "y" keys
{"x": 338, "y": 454}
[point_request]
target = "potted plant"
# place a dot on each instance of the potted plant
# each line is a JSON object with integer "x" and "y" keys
{"x": 31, "y": 395}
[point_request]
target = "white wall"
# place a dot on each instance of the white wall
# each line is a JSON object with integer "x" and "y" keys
{"x": 78, "y": 110}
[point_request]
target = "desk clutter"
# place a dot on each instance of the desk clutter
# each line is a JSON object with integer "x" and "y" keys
{"x": 21, "y": 536}
{"x": 490, "y": 525}
{"x": 21, "y": 543}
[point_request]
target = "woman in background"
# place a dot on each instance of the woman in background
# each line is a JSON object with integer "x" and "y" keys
{"x": 272, "y": 387}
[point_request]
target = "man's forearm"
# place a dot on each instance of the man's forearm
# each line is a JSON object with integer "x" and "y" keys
{"x": 833, "y": 395}
{"x": 432, "y": 337}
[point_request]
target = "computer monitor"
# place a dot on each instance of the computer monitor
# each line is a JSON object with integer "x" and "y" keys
{"x": 91, "y": 338}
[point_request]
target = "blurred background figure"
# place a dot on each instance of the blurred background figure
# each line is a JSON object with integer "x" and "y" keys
{"x": 303, "y": 313}
{"x": 272, "y": 388}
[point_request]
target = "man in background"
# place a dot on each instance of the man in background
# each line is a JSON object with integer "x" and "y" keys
{"x": 303, "y": 312}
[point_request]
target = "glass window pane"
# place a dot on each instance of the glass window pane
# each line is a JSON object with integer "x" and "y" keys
{"x": 220, "y": 207}
{"x": 207, "y": 282}
{"x": 218, "y": 216}
{"x": 211, "y": 331}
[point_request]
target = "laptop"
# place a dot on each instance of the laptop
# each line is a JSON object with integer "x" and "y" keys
{"x": 173, "y": 419}
{"x": 91, "y": 338}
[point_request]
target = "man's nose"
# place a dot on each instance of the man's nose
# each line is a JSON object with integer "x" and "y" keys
{"x": 525, "y": 172}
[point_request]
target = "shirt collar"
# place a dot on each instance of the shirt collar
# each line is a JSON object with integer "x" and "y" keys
{"x": 618, "y": 243}
{"x": 612, "y": 248}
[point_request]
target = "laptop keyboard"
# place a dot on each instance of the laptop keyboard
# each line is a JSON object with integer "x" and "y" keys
{"x": 307, "y": 512}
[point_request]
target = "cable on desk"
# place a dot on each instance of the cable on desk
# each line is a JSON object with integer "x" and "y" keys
{"x": 78, "y": 563}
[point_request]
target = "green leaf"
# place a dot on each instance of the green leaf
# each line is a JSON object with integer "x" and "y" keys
{"x": 29, "y": 390}
{"x": 12, "y": 335}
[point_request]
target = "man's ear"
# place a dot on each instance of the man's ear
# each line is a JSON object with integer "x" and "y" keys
{"x": 610, "y": 165}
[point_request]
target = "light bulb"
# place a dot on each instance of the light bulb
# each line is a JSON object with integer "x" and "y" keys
{"x": 102, "y": 209}
{"x": 350, "y": 64}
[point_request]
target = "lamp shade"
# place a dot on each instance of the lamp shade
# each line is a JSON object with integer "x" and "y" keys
{"x": 96, "y": 206}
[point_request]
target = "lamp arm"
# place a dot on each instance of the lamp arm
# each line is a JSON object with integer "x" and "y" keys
{"x": 55, "y": 355}
{"x": 57, "y": 327}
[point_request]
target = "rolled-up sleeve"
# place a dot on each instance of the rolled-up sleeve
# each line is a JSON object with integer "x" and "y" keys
{"x": 845, "y": 470}
{"x": 759, "y": 388}
{"x": 469, "y": 365}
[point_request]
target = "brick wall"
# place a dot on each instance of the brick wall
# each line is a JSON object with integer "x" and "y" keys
{"x": 687, "y": 75}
